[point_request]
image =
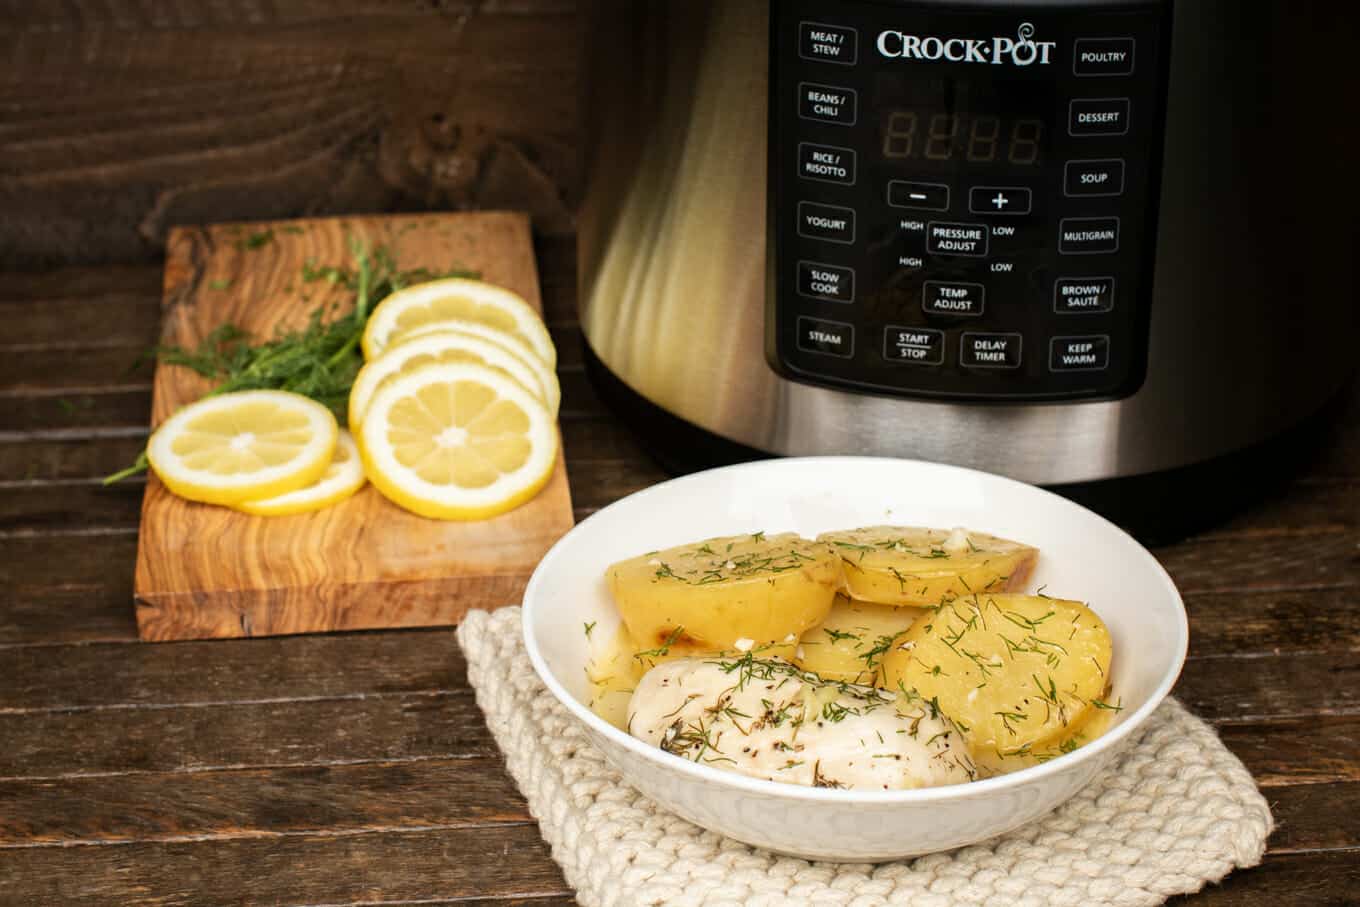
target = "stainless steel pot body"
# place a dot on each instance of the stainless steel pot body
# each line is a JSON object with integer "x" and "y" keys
{"x": 1253, "y": 313}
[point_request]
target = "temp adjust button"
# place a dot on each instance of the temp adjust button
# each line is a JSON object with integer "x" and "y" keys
{"x": 829, "y": 338}
{"x": 1079, "y": 354}
{"x": 827, "y": 104}
{"x": 826, "y": 163}
{"x": 951, "y": 298}
{"x": 956, "y": 239}
{"x": 828, "y": 43}
{"x": 827, "y": 222}
{"x": 991, "y": 350}
{"x": 827, "y": 282}
{"x": 1098, "y": 116}
{"x": 914, "y": 346}
{"x": 1078, "y": 295}
{"x": 1088, "y": 235}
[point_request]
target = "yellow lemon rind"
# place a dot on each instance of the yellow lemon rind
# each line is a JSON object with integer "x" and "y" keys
{"x": 326, "y": 492}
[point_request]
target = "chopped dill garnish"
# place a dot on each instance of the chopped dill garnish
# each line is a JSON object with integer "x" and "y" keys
{"x": 590, "y": 628}
{"x": 1106, "y": 706}
{"x": 320, "y": 361}
{"x": 665, "y": 647}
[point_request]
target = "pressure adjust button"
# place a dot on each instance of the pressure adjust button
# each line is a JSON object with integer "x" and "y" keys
{"x": 914, "y": 346}
{"x": 953, "y": 298}
{"x": 827, "y": 104}
{"x": 991, "y": 350}
{"x": 828, "y": 43}
{"x": 826, "y": 282}
{"x": 827, "y": 222}
{"x": 1103, "y": 57}
{"x": 828, "y": 338}
{"x": 969, "y": 240}
{"x": 1079, "y": 354}
{"x": 1098, "y": 116}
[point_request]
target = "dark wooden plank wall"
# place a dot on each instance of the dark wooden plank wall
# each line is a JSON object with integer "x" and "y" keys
{"x": 357, "y": 769}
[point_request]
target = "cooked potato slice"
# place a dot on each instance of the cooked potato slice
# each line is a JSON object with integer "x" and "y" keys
{"x": 991, "y": 763}
{"x": 901, "y": 565}
{"x": 726, "y": 593}
{"x": 1016, "y": 672}
{"x": 850, "y": 644}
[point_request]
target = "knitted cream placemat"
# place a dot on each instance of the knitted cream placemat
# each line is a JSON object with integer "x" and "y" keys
{"x": 1174, "y": 811}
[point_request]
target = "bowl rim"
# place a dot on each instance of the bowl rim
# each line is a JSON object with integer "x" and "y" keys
{"x": 1106, "y": 743}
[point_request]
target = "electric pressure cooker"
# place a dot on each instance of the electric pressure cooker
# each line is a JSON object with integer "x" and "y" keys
{"x": 1063, "y": 241}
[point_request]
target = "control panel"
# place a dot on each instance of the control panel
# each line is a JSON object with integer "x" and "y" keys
{"x": 964, "y": 196}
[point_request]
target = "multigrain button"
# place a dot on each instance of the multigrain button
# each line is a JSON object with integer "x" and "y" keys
{"x": 969, "y": 240}
{"x": 913, "y": 346}
{"x": 1103, "y": 57}
{"x": 829, "y": 338}
{"x": 828, "y": 222}
{"x": 1079, "y": 354}
{"x": 826, "y": 163}
{"x": 827, "y": 104}
{"x": 953, "y": 298}
{"x": 828, "y": 43}
{"x": 923, "y": 196}
{"x": 1088, "y": 235}
{"x": 1094, "y": 179}
{"x": 1081, "y": 295}
{"x": 991, "y": 350}
{"x": 826, "y": 282}
{"x": 1098, "y": 116}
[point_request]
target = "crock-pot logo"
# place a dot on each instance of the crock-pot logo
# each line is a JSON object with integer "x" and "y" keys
{"x": 1021, "y": 50}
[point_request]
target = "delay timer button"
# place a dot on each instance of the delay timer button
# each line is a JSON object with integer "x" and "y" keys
{"x": 991, "y": 350}
{"x": 828, "y": 43}
{"x": 1103, "y": 57}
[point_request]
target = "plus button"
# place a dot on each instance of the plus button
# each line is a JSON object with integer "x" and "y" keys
{"x": 1000, "y": 201}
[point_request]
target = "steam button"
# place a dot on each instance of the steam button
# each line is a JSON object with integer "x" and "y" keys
{"x": 828, "y": 338}
{"x": 828, "y": 43}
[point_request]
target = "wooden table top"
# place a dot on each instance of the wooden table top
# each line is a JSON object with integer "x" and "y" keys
{"x": 357, "y": 769}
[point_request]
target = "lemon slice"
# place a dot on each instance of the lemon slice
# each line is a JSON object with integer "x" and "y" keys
{"x": 456, "y": 299}
{"x": 457, "y": 441}
{"x": 243, "y": 446}
{"x": 342, "y": 479}
{"x": 452, "y": 346}
{"x": 512, "y": 342}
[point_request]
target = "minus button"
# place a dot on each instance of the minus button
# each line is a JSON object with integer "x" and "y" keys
{"x": 923, "y": 196}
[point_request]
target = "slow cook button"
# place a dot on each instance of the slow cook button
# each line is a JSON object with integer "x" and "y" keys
{"x": 1079, "y": 354}
{"x": 1098, "y": 116}
{"x": 826, "y": 163}
{"x": 829, "y": 338}
{"x": 1103, "y": 57}
{"x": 1094, "y": 179}
{"x": 991, "y": 350}
{"x": 951, "y": 298}
{"x": 827, "y": 104}
{"x": 956, "y": 239}
{"x": 828, "y": 43}
{"x": 826, "y": 222}
{"x": 1088, "y": 235}
{"x": 828, "y": 282}
{"x": 914, "y": 346}
{"x": 1079, "y": 295}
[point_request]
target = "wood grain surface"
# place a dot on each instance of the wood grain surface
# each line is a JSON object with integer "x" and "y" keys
{"x": 365, "y": 563}
{"x": 356, "y": 769}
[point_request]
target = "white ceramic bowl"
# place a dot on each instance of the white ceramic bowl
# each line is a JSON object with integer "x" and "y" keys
{"x": 1083, "y": 557}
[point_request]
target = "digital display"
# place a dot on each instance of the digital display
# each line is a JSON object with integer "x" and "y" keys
{"x": 926, "y": 135}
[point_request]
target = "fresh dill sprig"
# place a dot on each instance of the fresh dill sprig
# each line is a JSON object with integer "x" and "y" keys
{"x": 319, "y": 361}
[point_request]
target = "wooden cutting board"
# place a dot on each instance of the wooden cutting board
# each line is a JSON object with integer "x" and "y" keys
{"x": 209, "y": 572}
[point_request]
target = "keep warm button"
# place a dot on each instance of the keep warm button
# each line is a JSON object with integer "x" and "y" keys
{"x": 1079, "y": 354}
{"x": 991, "y": 350}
